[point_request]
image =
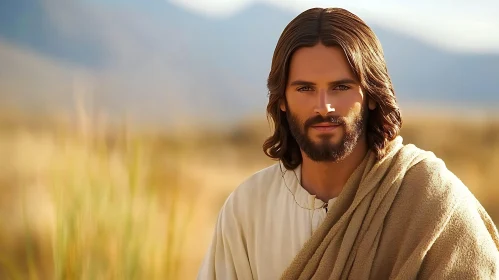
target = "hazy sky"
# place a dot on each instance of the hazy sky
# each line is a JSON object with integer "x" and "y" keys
{"x": 459, "y": 24}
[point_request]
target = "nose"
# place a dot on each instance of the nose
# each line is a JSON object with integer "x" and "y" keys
{"x": 324, "y": 105}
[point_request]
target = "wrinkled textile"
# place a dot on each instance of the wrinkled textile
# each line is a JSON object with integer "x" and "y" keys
{"x": 403, "y": 217}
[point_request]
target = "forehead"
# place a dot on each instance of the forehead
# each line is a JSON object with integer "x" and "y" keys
{"x": 319, "y": 62}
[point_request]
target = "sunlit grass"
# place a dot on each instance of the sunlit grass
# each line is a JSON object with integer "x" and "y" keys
{"x": 106, "y": 215}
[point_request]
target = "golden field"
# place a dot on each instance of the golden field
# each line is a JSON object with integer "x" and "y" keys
{"x": 88, "y": 201}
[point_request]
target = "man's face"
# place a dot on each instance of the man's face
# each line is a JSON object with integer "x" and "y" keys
{"x": 325, "y": 104}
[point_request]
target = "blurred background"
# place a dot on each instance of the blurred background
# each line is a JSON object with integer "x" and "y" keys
{"x": 124, "y": 125}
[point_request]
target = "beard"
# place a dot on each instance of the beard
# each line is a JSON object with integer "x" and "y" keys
{"x": 325, "y": 150}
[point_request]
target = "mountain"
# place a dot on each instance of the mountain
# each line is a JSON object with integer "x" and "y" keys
{"x": 161, "y": 63}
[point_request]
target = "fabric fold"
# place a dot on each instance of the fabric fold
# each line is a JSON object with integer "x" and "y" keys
{"x": 361, "y": 222}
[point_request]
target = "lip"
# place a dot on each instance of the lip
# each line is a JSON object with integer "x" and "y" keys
{"x": 325, "y": 126}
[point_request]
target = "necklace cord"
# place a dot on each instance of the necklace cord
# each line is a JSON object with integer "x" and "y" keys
{"x": 324, "y": 205}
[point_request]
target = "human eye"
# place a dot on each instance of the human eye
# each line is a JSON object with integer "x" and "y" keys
{"x": 304, "y": 88}
{"x": 342, "y": 87}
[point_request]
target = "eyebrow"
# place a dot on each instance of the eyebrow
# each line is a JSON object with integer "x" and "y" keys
{"x": 333, "y": 83}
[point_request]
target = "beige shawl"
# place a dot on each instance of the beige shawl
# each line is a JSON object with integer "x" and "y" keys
{"x": 403, "y": 217}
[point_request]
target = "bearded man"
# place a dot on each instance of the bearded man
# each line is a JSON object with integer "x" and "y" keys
{"x": 347, "y": 198}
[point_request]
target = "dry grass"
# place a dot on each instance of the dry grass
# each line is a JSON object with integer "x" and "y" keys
{"x": 91, "y": 203}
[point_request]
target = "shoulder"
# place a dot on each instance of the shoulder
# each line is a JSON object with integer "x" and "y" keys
{"x": 429, "y": 192}
{"x": 431, "y": 180}
{"x": 429, "y": 188}
{"x": 259, "y": 183}
{"x": 433, "y": 211}
{"x": 252, "y": 192}
{"x": 441, "y": 201}
{"x": 424, "y": 176}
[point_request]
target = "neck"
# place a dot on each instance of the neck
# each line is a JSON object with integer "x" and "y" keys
{"x": 326, "y": 179}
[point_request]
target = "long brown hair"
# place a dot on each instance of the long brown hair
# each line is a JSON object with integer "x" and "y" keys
{"x": 332, "y": 27}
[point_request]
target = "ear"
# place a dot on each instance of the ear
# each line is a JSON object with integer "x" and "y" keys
{"x": 371, "y": 104}
{"x": 282, "y": 106}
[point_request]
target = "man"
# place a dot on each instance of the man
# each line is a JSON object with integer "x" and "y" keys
{"x": 347, "y": 199}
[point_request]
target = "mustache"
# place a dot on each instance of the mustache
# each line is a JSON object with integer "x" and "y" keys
{"x": 320, "y": 119}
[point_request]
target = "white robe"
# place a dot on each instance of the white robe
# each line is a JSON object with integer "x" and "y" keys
{"x": 262, "y": 226}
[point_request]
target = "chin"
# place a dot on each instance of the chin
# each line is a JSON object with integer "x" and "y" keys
{"x": 328, "y": 144}
{"x": 327, "y": 139}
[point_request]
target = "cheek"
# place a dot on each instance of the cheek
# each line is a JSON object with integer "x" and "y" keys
{"x": 299, "y": 105}
{"x": 351, "y": 104}
{"x": 300, "y": 101}
{"x": 350, "y": 110}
